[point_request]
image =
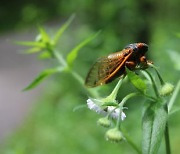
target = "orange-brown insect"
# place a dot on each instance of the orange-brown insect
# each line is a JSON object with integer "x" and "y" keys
{"x": 106, "y": 69}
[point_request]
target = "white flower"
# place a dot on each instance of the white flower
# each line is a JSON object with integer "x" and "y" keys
{"x": 95, "y": 105}
{"x": 123, "y": 116}
{"x": 116, "y": 112}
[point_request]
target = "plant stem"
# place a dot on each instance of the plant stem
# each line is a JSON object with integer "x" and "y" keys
{"x": 81, "y": 81}
{"x": 150, "y": 97}
{"x": 158, "y": 74}
{"x": 116, "y": 89}
{"x": 61, "y": 60}
{"x": 128, "y": 97}
{"x": 167, "y": 140}
{"x": 173, "y": 97}
{"x": 131, "y": 143}
{"x": 112, "y": 96}
{"x": 166, "y": 133}
{"x": 153, "y": 84}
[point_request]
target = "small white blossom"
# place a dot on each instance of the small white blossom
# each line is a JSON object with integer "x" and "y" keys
{"x": 123, "y": 116}
{"x": 94, "y": 104}
{"x": 116, "y": 112}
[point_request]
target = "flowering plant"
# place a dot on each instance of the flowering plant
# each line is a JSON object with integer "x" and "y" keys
{"x": 157, "y": 107}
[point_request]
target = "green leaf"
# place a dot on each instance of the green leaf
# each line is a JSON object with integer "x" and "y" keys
{"x": 136, "y": 81}
{"x": 153, "y": 126}
{"x": 30, "y": 43}
{"x": 79, "y": 107}
{"x": 44, "y": 36}
{"x": 45, "y": 55}
{"x": 63, "y": 28}
{"x": 42, "y": 76}
{"x": 32, "y": 50}
{"x": 74, "y": 52}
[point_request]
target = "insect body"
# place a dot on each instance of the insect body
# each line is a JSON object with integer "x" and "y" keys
{"x": 106, "y": 69}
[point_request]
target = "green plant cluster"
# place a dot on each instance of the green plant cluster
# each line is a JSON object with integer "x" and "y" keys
{"x": 155, "y": 114}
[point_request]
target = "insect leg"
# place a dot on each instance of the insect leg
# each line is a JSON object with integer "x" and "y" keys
{"x": 143, "y": 59}
{"x": 130, "y": 64}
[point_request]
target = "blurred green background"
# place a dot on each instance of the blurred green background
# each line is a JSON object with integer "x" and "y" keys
{"x": 53, "y": 127}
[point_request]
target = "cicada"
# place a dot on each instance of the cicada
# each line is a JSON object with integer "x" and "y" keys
{"x": 108, "y": 68}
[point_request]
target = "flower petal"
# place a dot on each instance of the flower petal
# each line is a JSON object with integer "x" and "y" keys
{"x": 93, "y": 106}
{"x": 123, "y": 116}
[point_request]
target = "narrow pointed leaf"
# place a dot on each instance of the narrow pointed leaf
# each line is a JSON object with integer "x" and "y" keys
{"x": 74, "y": 52}
{"x": 41, "y": 77}
{"x": 30, "y": 43}
{"x": 45, "y": 55}
{"x": 63, "y": 28}
{"x": 32, "y": 50}
{"x": 136, "y": 81}
{"x": 153, "y": 126}
{"x": 79, "y": 107}
{"x": 44, "y": 36}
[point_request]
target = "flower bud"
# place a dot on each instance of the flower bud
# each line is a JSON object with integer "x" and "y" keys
{"x": 166, "y": 89}
{"x": 114, "y": 135}
{"x": 105, "y": 122}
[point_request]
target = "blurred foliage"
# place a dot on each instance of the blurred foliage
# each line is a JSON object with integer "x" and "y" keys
{"x": 53, "y": 127}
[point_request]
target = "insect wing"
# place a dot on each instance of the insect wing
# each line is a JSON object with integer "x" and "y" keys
{"x": 102, "y": 69}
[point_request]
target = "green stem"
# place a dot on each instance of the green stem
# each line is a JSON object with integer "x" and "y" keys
{"x": 127, "y": 97}
{"x": 59, "y": 58}
{"x": 158, "y": 74}
{"x": 153, "y": 83}
{"x": 81, "y": 81}
{"x": 167, "y": 140}
{"x": 166, "y": 133}
{"x": 121, "y": 107}
{"x": 160, "y": 78}
{"x": 119, "y": 120}
{"x": 173, "y": 97}
{"x": 130, "y": 142}
{"x": 115, "y": 90}
{"x": 113, "y": 95}
{"x": 149, "y": 97}
{"x": 74, "y": 74}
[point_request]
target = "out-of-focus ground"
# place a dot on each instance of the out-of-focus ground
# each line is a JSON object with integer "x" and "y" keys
{"x": 16, "y": 71}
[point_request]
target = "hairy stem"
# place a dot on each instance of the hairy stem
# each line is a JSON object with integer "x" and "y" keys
{"x": 61, "y": 60}
{"x": 173, "y": 97}
{"x": 167, "y": 139}
{"x": 158, "y": 74}
{"x": 81, "y": 81}
{"x": 130, "y": 142}
{"x": 113, "y": 95}
{"x": 153, "y": 83}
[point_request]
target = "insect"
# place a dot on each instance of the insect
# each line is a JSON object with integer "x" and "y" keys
{"x": 108, "y": 68}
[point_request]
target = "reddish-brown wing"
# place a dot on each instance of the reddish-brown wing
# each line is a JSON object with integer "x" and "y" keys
{"x": 105, "y": 68}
